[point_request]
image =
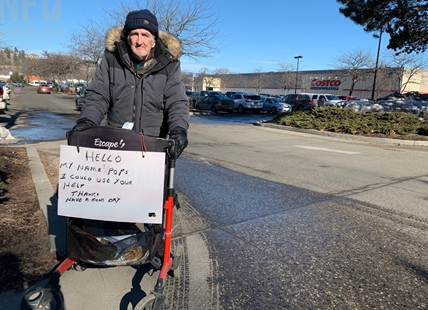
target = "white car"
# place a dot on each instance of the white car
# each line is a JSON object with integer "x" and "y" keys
{"x": 247, "y": 102}
{"x": 34, "y": 83}
{"x": 330, "y": 100}
{"x": 274, "y": 105}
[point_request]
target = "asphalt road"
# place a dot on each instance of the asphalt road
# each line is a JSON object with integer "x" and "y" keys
{"x": 36, "y": 117}
{"x": 273, "y": 219}
{"x": 305, "y": 222}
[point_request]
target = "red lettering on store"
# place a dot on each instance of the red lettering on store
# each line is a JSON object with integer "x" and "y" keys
{"x": 316, "y": 82}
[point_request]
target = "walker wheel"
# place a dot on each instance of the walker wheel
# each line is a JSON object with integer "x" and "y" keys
{"x": 148, "y": 303}
{"x": 79, "y": 267}
{"x": 175, "y": 273}
{"x": 175, "y": 269}
{"x": 45, "y": 297}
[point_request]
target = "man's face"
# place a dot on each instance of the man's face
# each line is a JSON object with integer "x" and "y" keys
{"x": 141, "y": 42}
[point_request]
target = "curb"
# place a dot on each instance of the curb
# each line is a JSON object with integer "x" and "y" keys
{"x": 345, "y": 136}
{"x": 48, "y": 200}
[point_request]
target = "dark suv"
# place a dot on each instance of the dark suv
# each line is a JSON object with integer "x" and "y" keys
{"x": 299, "y": 102}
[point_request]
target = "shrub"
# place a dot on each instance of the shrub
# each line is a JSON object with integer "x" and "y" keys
{"x": 337, "y": 119}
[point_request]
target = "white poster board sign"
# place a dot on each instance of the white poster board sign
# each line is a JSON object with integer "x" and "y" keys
{"x": 110, "y": 185}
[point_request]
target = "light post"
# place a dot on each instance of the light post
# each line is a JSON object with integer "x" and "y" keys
{"x": 377, "y": 63}
{"x": 297, "y": 72}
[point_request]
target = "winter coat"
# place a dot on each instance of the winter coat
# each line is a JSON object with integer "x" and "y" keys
{"x": 156, "y": 103}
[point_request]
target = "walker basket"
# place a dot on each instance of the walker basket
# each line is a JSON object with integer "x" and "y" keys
{"x": 110, "y": 243}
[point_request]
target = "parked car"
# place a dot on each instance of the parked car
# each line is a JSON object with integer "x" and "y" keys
{"x": 247, "y": 102}
{"x": 6, "y": 93}
{"x": 313, "y": 97}
{"x": 330, "y": 100}
{"x": 347, "y": 98}
{"x": 230, "y": 93}
{"x": 18, "y": 84}
{"x": 216, "y": 103}
{"x": 34, "y": 83}
{"x": 43, "y": 89}
{"x": 63, "y": 87}
{"x": 6, "y": 90}
{"x": 80, "y": 100}
{"x": 78, "y": 87}
{"x": 205, "y": 93}
{"x": 193, "y": 96}
{"x": 3, "y": 103}
{"x": 299, "y": 102}
{"x": 275, "y": 105}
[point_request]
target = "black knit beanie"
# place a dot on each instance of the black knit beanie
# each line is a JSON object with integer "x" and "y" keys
{"x": 142, "y": 19}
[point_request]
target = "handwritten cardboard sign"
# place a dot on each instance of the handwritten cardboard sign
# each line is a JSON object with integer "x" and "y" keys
{"x": 110, "y": 185}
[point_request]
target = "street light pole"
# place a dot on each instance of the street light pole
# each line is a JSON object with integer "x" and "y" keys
{"x": 297, "y": 72}
{"x": 377, "y": 63}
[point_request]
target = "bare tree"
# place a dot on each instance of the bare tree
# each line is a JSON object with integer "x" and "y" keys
{"x": 405, "y": 66}
{"x": 53, "y": 66}
{"x": 207, "y": 78}
{"x": 259, "y": 79}
{"x": 31, "y": 66}
{"x": 286, "y": 77}
{"x": 88, "y": 45}
{"x": 224, "y": 75}
{"x": 242, "y": 81}
{"x": 352, "y": 64}
{"x": 193, "y": 22}
{"x": 187, "y": 78}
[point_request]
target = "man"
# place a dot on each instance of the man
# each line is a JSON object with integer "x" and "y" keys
{"x": 138, "y": 83}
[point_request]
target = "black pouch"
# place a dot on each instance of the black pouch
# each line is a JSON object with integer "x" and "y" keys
{"x": 118, "y": 139}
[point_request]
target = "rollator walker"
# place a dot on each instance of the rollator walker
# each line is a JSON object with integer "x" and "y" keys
{"x": 92, "y": 242}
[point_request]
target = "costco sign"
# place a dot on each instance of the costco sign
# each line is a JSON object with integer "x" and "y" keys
{"x": 325, "y": 84}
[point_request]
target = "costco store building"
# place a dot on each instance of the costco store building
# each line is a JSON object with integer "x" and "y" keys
{"x": 388, "y": 81}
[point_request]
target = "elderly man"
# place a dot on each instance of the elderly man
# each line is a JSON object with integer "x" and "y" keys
{"x": 138, "y": 83}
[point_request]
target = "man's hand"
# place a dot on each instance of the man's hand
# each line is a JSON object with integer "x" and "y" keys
{"x": 83, "y": 124}
{"x": 179, "y": 135}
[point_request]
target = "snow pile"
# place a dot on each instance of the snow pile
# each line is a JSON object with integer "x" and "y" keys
{"x": 411, "y": 102}
{"x": 5, "y": 135}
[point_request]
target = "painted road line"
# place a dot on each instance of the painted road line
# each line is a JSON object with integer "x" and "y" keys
{"x": 323, "y": 149}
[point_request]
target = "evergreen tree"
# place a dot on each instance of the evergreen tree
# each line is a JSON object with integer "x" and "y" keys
{"x": 7, "y": 52}
{"x": 406, "y": 21}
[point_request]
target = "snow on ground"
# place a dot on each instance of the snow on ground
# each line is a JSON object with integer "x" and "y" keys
{"x": 411, "y": 102}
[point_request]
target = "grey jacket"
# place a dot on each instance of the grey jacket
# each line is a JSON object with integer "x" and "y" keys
{"x": 156, "y": 103}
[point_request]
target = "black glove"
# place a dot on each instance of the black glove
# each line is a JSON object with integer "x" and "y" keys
{"x": 83, "y": 124}
{"x": 179, "y": 135}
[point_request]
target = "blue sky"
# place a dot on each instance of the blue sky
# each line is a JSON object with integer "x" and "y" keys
{"x": 254, "y": 35}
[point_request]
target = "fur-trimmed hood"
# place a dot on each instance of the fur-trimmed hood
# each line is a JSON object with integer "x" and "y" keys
{"x": 172, "y": 43}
